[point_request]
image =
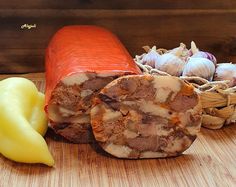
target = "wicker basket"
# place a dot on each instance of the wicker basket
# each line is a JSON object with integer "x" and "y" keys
{"x": 217, "y": 98}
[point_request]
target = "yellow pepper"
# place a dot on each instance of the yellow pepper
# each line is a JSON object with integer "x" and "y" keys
{"x": 23, "y": 122}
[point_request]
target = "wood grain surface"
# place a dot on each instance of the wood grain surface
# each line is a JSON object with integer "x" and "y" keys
{"x": 210, "y": 161}
{"x": 165, "y": 23}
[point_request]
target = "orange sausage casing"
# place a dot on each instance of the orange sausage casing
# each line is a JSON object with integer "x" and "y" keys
{"x": 76, "y": 49}
{"x": 80, "y": 61}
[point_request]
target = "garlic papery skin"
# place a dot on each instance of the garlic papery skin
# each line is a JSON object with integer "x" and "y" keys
{"x": 151, "y": 57}
{"x": 170, "y": 64}
{"x": 196, "y": 53}
{"x": 200, "y": 67}
{"x": 206, "y": 55}
{"x": 181, "y": 52}
{"x": 226, "y": 71}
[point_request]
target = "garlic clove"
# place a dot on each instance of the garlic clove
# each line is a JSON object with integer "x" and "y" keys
{"x": 170, "y": 64}
{"x": 196, "y": 53}
{"x": 151, "y": 57}
{"x": 200, "y": 67}
{"x": 226, "y": 71}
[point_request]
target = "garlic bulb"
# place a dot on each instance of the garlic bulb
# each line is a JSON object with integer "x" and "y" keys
{"x": 170, "y": 64}
{"x": 151, "y": 57}
{"x": 201, "y": 54}
{"x": 200, "y": 67}
{"x": 226, "y": 71}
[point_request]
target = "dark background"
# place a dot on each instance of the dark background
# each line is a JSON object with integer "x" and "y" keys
{"x": 165, "y": 23}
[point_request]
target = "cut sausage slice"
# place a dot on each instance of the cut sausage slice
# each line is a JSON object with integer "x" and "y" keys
{"x": 144, "y": 116}
{"x": 80, "y": 60}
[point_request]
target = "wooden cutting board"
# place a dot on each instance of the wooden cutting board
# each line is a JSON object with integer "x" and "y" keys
{"x": 210, "y": 161}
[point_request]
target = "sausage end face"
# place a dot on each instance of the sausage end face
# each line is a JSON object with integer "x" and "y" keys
{"x": 144, "y": 116}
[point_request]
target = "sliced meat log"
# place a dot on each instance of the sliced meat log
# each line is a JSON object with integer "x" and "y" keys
{"x": 144, "y": 116}
{"x": 80, "y": 60}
